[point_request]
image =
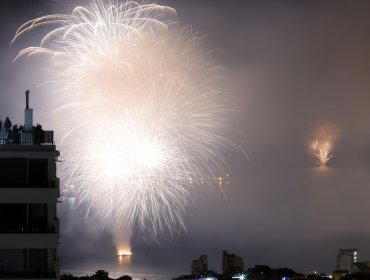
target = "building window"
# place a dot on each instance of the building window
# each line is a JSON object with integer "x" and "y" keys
{"x": 13, "y": 172}
{"x": 37, "y": 260}
{"x": 12, "y": 260}
{"x": 24, "y": 263}
{"x": 23, "y": 172}
{"x": 13, "y": 218}
{"x": 37, "y": 172}
{"x": 24, "y": 218}
{"x": 37, "y": 217}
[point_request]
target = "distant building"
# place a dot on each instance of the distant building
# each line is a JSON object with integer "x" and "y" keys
{"x": 231, "y": 264}
{"x": 346, "y": 259}
{"x": 264, "y": 272}
{"x": 200, "y": 265}
{"x": 29, "y": 189}
{"x": 200, "y": 271}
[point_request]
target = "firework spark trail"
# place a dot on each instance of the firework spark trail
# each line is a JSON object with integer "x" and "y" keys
{"x": 322, "y": 152}
{"x": 322, "y": 143}
{"x": 141, "y": 110}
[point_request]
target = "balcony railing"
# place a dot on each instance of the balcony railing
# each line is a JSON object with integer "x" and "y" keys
{"x": 27, "y": 229}
{"x": 26, "y": 137}
{"x": 24, "y": 184}
{"x": 27, "y": 274}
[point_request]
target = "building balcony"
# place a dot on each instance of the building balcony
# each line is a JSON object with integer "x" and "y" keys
{"x": 28, "y": 240}
{"x": 26, "y": 137}
{"x": 40, "y": 184}
{"x": 28, "y": 195}
{"x": 27, "y": 229}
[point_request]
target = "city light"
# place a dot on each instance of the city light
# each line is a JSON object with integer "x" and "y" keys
{"x": 241, "y": 277}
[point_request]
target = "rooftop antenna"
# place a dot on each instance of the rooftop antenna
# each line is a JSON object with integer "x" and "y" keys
{"x": 28, "y": 113}
{"x": 27, "y": 98}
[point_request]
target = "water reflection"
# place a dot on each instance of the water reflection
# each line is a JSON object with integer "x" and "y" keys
{"x": 124, "y": 260}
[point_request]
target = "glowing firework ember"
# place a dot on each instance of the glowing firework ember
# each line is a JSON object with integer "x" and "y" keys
{"x": 124, "y": 253}
{"x": 141, "y": 111}
{"x": 322, "y": 152}
{"x": 322, "y": 143}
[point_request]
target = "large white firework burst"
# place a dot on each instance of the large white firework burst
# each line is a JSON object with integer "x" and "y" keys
{"x": 142, "y": 114}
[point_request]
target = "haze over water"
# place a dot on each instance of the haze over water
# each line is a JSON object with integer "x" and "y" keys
{"x": 117, "y": 269}
{"x": 322, "y": 199}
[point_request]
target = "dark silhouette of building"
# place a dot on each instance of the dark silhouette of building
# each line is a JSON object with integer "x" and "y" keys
{"x": 264, "y": 272}
{"x": 231, "y": 264}
{"x": 29, "y": 189}
{"x": 199, "y": 265}
{"x": 98, "y": 275}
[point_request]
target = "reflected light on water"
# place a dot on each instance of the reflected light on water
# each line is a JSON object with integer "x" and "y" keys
{"x": 124, "y": 256}
{"x": 124, "y": 259}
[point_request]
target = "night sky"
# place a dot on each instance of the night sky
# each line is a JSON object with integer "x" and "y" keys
{"x": 290, "y": 66}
